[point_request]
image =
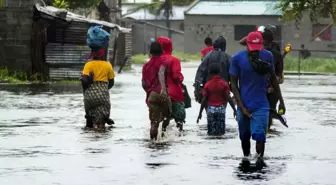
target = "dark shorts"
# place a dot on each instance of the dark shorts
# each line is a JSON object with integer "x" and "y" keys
{"x": 159, "y": 107}
{"x": 255, "y": 127}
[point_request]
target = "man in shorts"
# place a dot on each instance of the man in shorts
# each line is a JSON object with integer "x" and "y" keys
{"x": 253, "y": 67}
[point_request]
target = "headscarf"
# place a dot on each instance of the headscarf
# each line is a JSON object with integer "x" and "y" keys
{"x": 96, "y": 53}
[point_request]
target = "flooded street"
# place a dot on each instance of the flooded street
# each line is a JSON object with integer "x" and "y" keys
{"x": 42, "y": 140}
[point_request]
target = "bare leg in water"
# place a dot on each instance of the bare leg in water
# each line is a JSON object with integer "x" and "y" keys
{"x": 165, "y": 124}
{"x": 101, "y": 124}
{"x": 260, "y": 148}
{"x": 154, "y": 130}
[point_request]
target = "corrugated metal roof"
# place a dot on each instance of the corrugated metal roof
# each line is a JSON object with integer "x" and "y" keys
{"x": 52, "y": 11}
{"x": 144, "y": 14}
{"x": 234, "y": 8}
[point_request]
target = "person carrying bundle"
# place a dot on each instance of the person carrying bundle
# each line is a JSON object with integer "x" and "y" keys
{"x": 97, "y": 78}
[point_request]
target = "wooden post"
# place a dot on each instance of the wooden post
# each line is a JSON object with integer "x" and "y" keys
{"x": 115, "y": 45}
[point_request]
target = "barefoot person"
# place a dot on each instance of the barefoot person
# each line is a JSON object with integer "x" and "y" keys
{"x": 252, "y": 67}
{"x": 218, "y": 55}
{"x": 154, "y": 83}
{"x": 174, "y": 82}
{"x": 272, "y": 96}
{"x": 216, "y": 94}
{"x": 275, "y": 45}
{"x": 97, "y": 78}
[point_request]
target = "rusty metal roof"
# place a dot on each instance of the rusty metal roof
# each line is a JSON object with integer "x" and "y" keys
{"x": 52, "y": 11}
{"x": 238, "y": 7}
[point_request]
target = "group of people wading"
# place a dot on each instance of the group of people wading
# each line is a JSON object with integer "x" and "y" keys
{"x": 253, "y": 76}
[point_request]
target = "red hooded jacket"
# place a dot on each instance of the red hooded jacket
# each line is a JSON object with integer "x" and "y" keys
{"x": 174, "y": 75}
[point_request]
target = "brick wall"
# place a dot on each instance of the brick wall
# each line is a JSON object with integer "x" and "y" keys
{"x": 15, "y": 35}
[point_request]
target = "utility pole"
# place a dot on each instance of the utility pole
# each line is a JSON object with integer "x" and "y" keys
{"x": 115, "y": 10}
{"x": 114, "y": 7}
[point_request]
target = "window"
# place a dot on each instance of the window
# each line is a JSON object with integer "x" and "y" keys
{"x": 321, "y": 32}
{"x": 240, "y": 31}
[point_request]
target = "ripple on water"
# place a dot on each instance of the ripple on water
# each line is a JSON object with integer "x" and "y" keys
{"x": 41, "y": 133}
{"x": 18, "y": 153}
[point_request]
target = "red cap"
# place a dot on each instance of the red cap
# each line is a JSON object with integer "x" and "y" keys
{"x": 255, "y": 41}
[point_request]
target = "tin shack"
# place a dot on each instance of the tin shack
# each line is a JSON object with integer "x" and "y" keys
{"x": 59, "y": 49}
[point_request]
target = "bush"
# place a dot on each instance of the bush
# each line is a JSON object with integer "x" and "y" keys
{"x": 312, "y": 64}
{"x": 12, "y": 77}
{"x": 184, "y": 57}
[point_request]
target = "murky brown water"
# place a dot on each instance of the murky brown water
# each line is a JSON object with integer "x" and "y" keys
{"x": 42, "y": 140}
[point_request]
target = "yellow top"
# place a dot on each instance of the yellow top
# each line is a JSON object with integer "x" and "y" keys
{"x": 102, "y": 70}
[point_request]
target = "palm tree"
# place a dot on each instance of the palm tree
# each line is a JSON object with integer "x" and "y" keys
{"x": 164, "y": 8}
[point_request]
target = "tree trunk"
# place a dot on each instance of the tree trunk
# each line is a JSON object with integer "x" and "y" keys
{"x": 167, "y": 10}
{"x": 168, "y": 26}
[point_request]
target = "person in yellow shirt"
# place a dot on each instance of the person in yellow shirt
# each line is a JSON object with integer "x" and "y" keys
{"x": 97, "y": 78}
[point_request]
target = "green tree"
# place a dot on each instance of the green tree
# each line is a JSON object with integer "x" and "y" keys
{"x": 60, "y": 4}
{"x": 293, "y": 10}
{"x": 164, "y": 8}
{"x": 74, "y": 4}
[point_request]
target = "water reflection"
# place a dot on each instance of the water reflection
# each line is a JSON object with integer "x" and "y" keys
{"x": 253, "y": 172}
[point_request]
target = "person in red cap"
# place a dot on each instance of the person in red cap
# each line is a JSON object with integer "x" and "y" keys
{"x": 253, "y": 67}
{"x": 174, "y": 82}
{"x": 259, "y": 29}
{"x": 275, "y": 45}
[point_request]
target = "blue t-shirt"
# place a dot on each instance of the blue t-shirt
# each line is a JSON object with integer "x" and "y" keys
{"x": 253, "y": 87}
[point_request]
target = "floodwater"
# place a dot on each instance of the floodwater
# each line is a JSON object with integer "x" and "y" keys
{"x": 43, "y": 141}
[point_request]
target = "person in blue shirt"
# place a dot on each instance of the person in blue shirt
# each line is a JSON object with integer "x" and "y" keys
{"x": 253, "y": 67}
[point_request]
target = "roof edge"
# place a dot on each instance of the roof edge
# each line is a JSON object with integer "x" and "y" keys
{"x": 79, "y": 18}
{"x": 191, "y": 6}
{"x": 198, "y": 1}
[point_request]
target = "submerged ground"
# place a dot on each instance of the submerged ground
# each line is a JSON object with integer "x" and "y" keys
{"x": 42, "y": 140}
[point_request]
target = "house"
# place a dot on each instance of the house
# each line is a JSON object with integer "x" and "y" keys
{"x": 59, "y": 43}
{"x": 146, "y": 25}
{"x": 15, "y": 35}
{"x": 39, "y": 39}
{"x": 235, "y": 19}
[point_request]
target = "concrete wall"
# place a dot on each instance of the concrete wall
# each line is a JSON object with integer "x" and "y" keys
{"x": 199, "y": 27}
{"x": 15, "y": 35}
{"x": 303, "y": 35}
{"x": 141, "y": 35}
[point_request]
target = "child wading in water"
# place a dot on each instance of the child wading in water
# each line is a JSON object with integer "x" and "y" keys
{"x": 216, "y": 94}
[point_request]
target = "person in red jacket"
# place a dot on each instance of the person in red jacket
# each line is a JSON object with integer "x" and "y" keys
{"x": 174, "y": 82}
{"x": 208, "y": 46}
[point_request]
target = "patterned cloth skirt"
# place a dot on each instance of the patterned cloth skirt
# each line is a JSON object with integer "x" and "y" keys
{"x": 216, "y": 120}
{"x": 97, "y": 102}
